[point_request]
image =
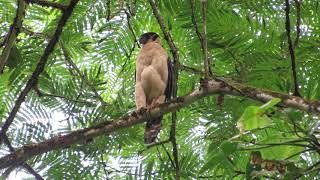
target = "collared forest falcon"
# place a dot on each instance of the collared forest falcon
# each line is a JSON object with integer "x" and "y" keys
{"x": 153, "y": 80}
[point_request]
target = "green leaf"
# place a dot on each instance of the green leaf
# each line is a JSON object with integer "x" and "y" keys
{"x": 213, "y": 161}
{"x": 228, "y": 147}
{"x": 279, "y": 152}
{"x": 252, "y": 118}
{"x": 220, "y": 157}
{"x": 270, "y": 104}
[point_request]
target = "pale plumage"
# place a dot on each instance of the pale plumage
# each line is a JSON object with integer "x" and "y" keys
{"x": 153, "y": 78}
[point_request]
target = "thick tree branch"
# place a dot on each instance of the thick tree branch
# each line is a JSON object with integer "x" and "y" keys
{"x": 47, "y": 4}
{"x": 291, "y": 50}
{"x": 13, "y": 33}
{"x": 215, "y": 86}
{"x": 175, "y": 55}
{"x": 40, "y": 67}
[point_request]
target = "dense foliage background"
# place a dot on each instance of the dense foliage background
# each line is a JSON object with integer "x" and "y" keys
{"x": 89, "y": 77}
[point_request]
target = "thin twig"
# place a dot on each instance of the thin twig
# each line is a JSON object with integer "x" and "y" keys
{"x": 154, "y": 145}
{"x": 48, "y": 4}
{"x": 202, "y": 36}
{"x": 135, "y": 42}
{"x": 309, "y": 169}
{"x": 40, "y": 67}
{"x": 104, "y": 166}
{"x": 174, "y": 144}
{"x": 291, "y": 50}
{"x": 265, "y": 146}
{"x": 297, "y": 2}
{"x": 35, "y": 34}
{"x": 191, "y": 69}
{"x": 128, "y": 14}
{"x": 166, "y": 33}
{"x": 2, "y": 42}
{"x": 32, "y": 171}
{"x": 13, "y": 33}
{"x": 298, "y": 153}
{"x": 73, "y": 106}
{"x": 108, "y": 9}
{"x": 194, "y": 21}
{"x": 168, "y": 154}
{"x": 40, "y": 93}
{"x": 82, "y": 76}
{"x": 204, "y": 39}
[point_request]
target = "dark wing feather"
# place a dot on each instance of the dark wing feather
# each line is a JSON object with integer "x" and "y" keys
{"x": 169, "y": 88}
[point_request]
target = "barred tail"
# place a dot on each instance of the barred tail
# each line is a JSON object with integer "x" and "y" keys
{"x": 152, "y": 130}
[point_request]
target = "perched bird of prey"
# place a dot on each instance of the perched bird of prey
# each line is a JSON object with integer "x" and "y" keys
{"x": 153, "y": 80}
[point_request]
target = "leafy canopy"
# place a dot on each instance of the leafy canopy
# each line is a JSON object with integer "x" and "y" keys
{"x": 90, "y": 74}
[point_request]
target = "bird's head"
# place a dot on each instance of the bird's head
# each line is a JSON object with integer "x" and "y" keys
{"x": 149, "y": 37}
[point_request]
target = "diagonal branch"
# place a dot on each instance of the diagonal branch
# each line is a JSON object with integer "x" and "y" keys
{"x": 291, "y": 50}
{"x": 13, "y": 33}
{"x": 40, "y": 67}
{"x": 48, "y": 4}
{"x": 215, "y": 86}
{"x": 175, "y": 55}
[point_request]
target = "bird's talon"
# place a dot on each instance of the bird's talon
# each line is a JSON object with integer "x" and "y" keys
{"x": 142, "y": 110}
{"x": 134, "y": 114}
{"x": 149, "y": 109}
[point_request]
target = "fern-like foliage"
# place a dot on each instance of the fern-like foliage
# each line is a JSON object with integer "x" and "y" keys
{"x": 90, "y": 76}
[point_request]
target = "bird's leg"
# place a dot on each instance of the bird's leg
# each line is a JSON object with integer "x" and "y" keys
{"x": 148, "y": 107}
{"x": 157, "y": 101}
{"x": 140, "y": 97}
